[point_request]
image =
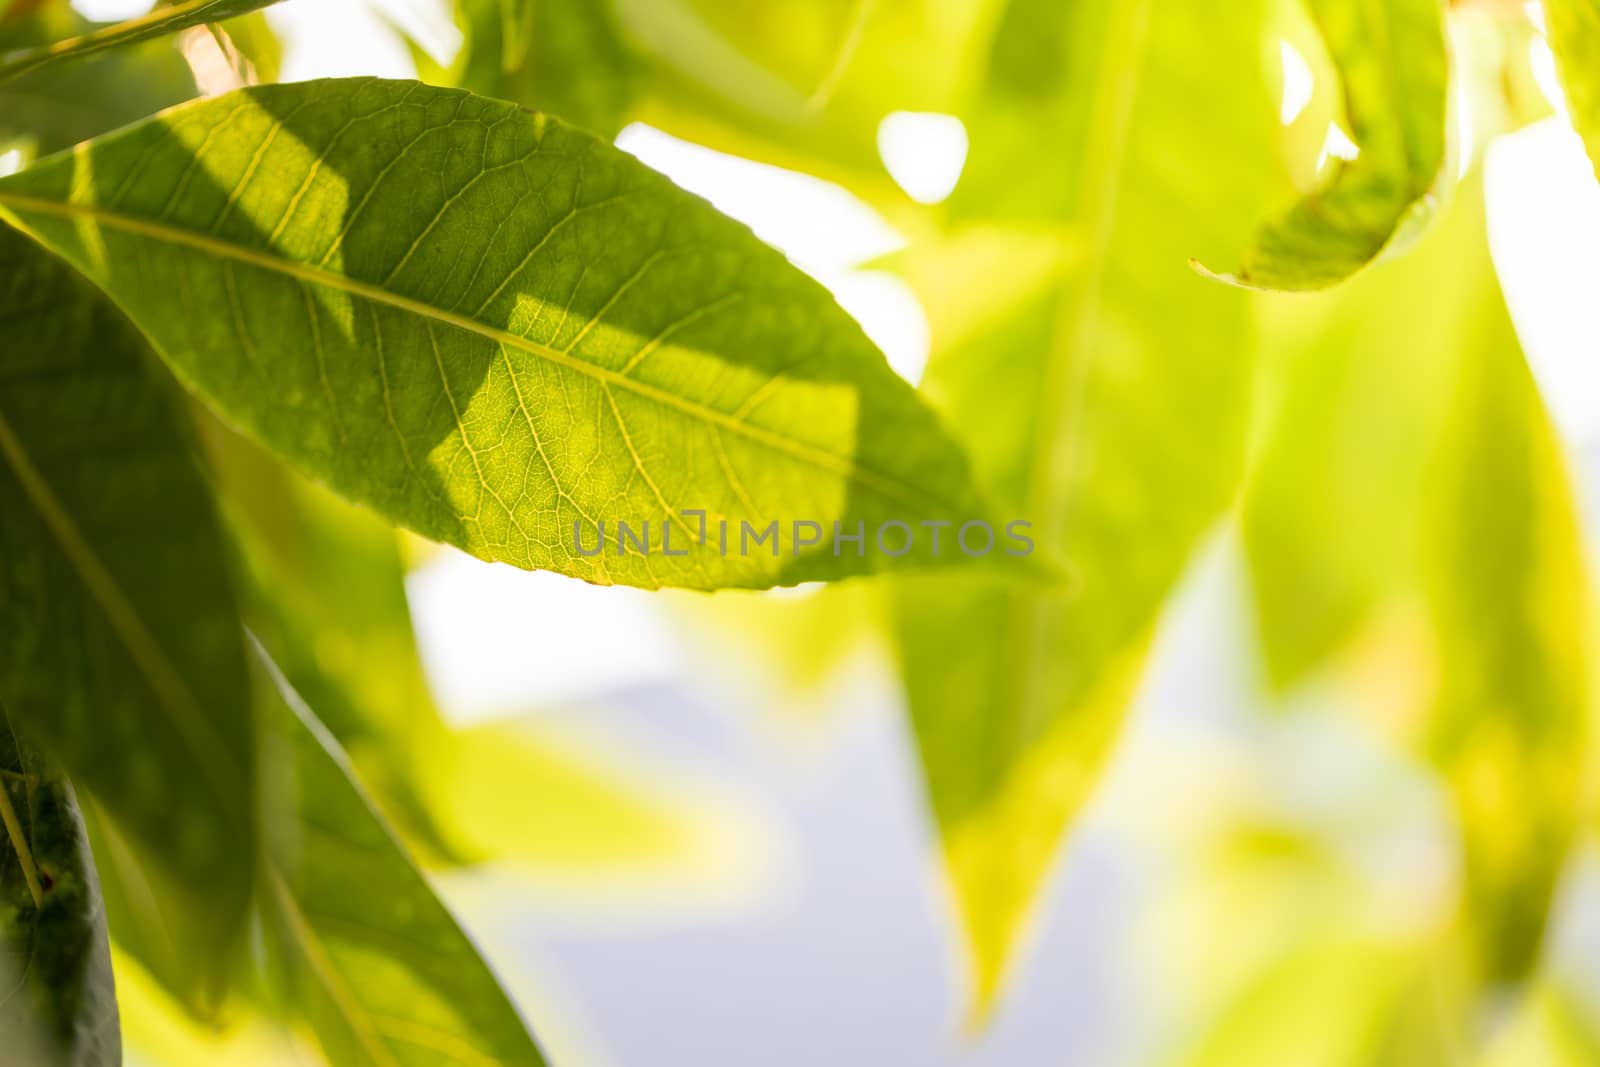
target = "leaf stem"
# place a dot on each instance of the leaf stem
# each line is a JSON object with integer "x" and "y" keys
{"x": 30, "y": 873}
{"x": 155, "y": 23}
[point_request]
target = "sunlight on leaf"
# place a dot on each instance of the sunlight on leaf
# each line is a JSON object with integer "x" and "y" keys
{"x": 1574, "y": 29}
{"x": 622, "y": 353}
{"x": 1094, "y": 415}
{"x": 1391, "y": 58}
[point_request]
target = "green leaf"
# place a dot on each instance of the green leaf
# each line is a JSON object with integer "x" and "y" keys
{"x": 55, "y": 960}
{"x": 1574, "y": 28}
{"x": 1331, "y": 516}
{"x": 158, "y": 23}
{"x": 1438, "y": 482}
{"x": 803, "y": 84}
{"x": 1391, "y": 58}
{"x": 1119, "y": 431}
{"x": 566, "y": 57}
{"x": 55, "y": 107}
{"x": 1508, "y": 590}
{"x": 325, "y": 594}
{"x": 384, "y": 975}
{"x": 1555, "y": 1025}
{"x": 326, "y": 597}
{"x": 120, "y": 649}
{"x": 495, "y": 329}
{"x": 1350, "y": 1002}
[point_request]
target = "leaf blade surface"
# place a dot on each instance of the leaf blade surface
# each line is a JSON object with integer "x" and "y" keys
{"x": 120, "y": 649}
{"x": 1392, "y": 60}
{"x": 385, "y": 975}
{"x": 491, "y": 327}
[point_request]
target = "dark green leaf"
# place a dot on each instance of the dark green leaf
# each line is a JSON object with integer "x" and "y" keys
{"x": 375, "y": 961}
{"x": 326, "y": 595}
{"x": 120, "y": 649}
{"x": 494, "y": 329}
{"x": 164, "y": 20}
{"x": 55, "y": 107}
{"x": 1391, "y": 58}
{"x": 60, "y": 1005}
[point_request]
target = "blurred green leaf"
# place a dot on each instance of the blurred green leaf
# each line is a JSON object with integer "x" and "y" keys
{"x": 1574, "y": 27}
{"x": 157, "y": 1032}
{"x": 55, "y": 107}
{"x": 1553, "y": 1027}
{"x": 803, "y": 83}
{"x": 256, "y": 42}
{"x": 1118, "y": 432}
{"x": 794, "y": 640}
{"x": 326, "y": 596}
{"x": 565, "y": 57}
{"x": 611, "y": 350}
{"x": 1508, "y": 588}
{"x": 509, "y": 792}
{"x": 55, "y": 961}
{"x": 384, "y": 975}
{"x": 1356, "y": 1003}
{"x": 164, "y": 20}
{"x": 1331, "y": 516}
{"x": 1392, "y": 61}
{"x": 1438, "y": 477}
{"x": 120, "y": 648}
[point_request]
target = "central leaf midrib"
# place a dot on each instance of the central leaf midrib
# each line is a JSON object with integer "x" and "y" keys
{"x": 889, "y": 487}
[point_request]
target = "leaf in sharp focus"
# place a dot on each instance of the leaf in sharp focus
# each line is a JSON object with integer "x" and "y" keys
{"x": 60, "y": 1005}
{"x": 1574, "y": 28}
{"x": 1508, "y": 589}
{"x": 1120, "y": 433}
{"x": 1392, "y": 61}
{"x": 120, "y": 648}
{"x": 383, "y": 975}
{"x": 158, "y": 23}
{"x": 495, "y": 329}
{"x": 56, "y": 107}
